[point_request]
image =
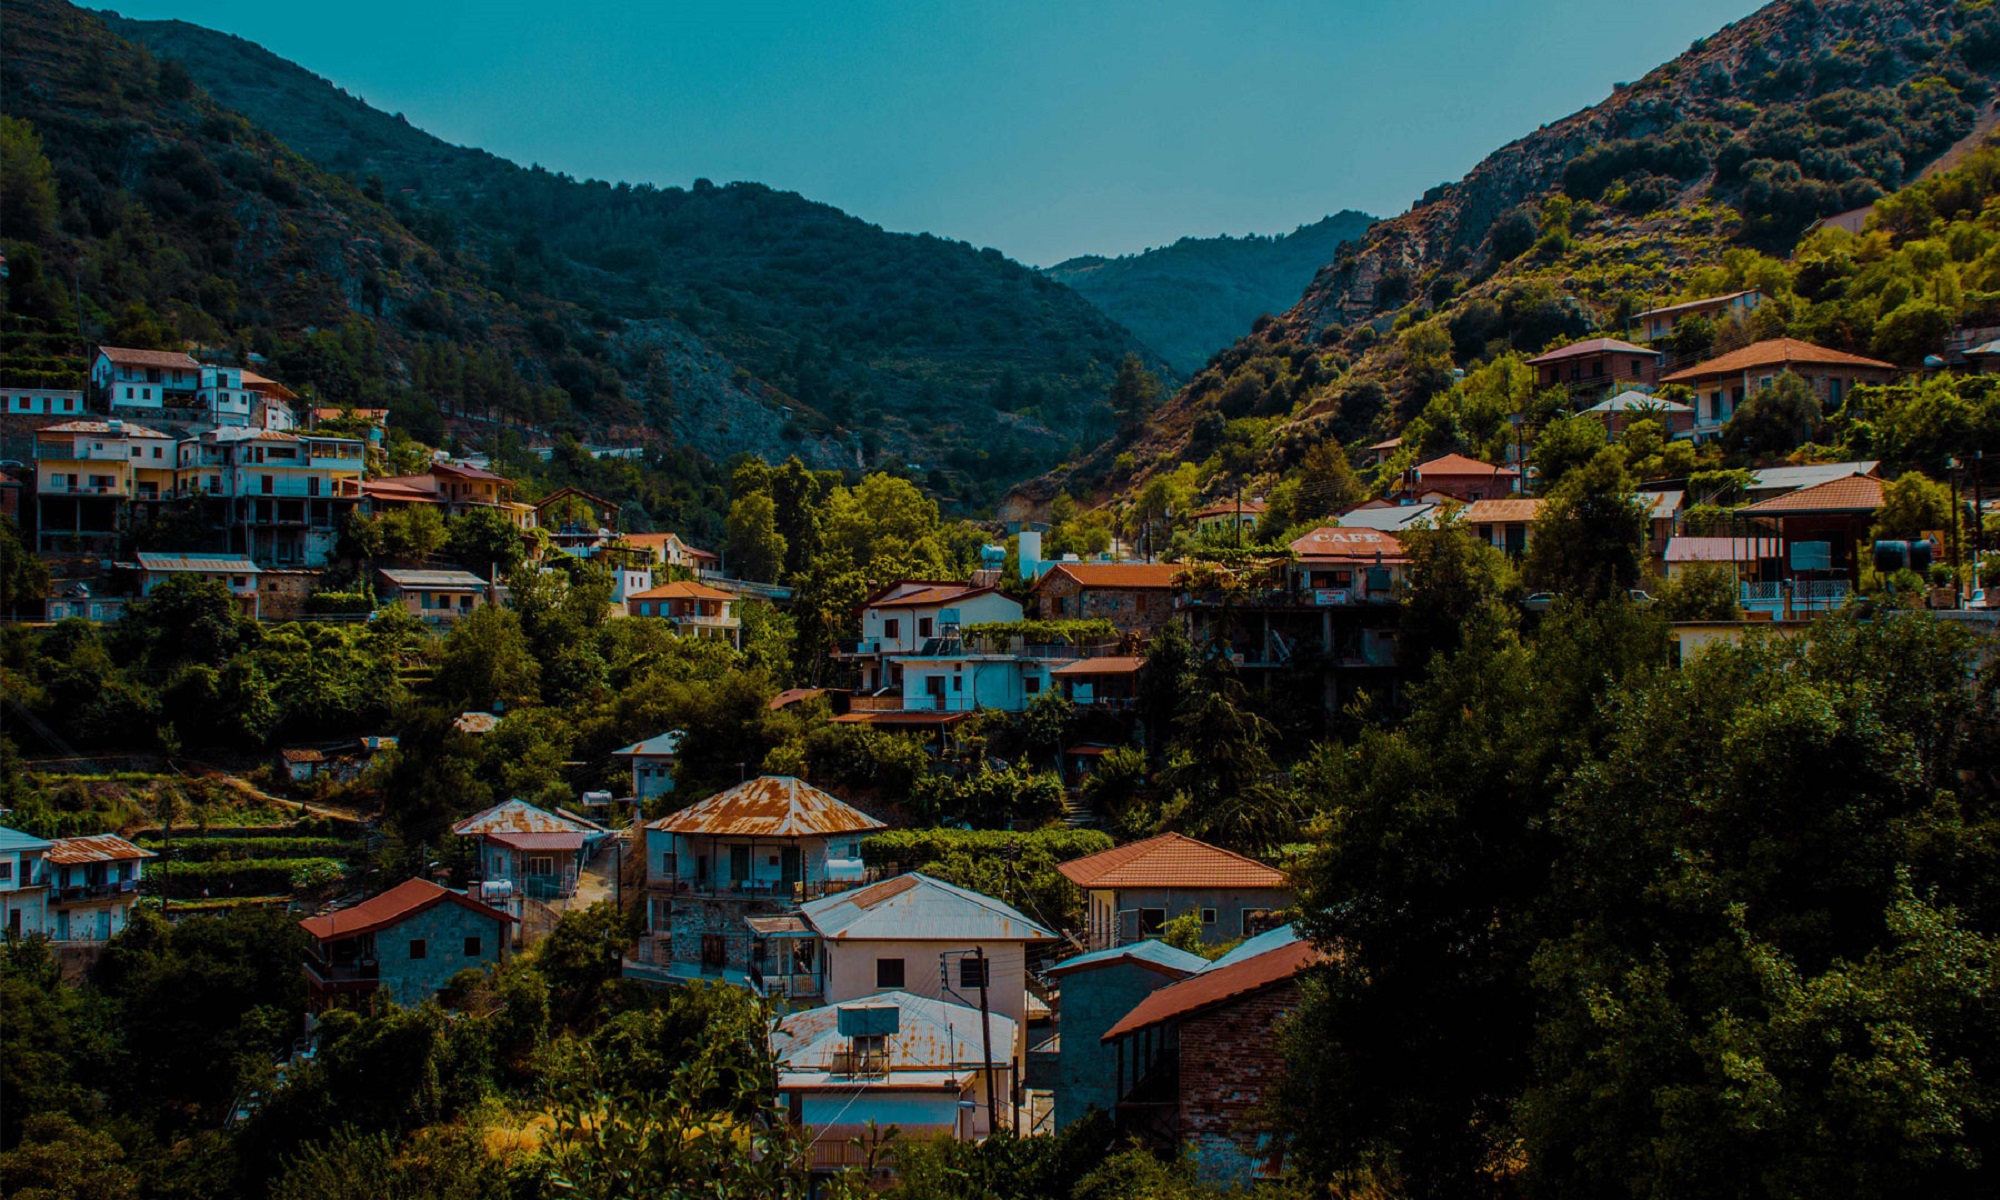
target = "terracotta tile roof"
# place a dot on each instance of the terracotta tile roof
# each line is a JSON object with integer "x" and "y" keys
{"x": 1117, "y": 575}
{"x": 105, "y": 847}
{"x": 264, "y": 383}
{"x": 1499, "y": 512}
{"x": 303, "y": 755}
{"x": 1602, "y": 345}
{"x": 172, "y": 359}
{"x": 1459, "y": 464}
{"x": 898, "y": 717}
{"x": 1853, "y": 494}
{"x": 1722, "y": 549}
{"x": 1113, "y": 664}
{"x": 1777, "y": 352}
{"x": 464, "y": 472}
{"x": 1169, "y": 860}
{"x": 925, "y": 597}
{"x": 791, "y": 696}
{"x": 1340, "y": 542}
{"x": 769, "y": 806}
{"x": 681, "y": 590}
{"x": 1219, "y": 986}
{"x": 406, "y": 899}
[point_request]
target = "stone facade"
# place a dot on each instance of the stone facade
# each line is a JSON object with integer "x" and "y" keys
{"x": 1092, "y": 1002}
{"x": 453, "y": 938}
{"x": 1144, "y": 611}
{"x": 1229, "y": 1060}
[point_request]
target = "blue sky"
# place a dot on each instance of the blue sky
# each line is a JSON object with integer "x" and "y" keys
{"x": 1045, "y": 129}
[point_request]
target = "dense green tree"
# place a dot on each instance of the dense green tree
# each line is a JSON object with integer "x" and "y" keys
{"x": 1588, "y": 538}
{"x": 1457, "y": 591}
{"x": 1566, "y": 445}
{"x": 485, "y": 542}
{"x": 488, "y": 660}
{"x": 1775, "y": 419}
{"x": 756, "y": 548}
{"x": 1135, "y": 393}
{"x": 1911, "y": 506}
{"x": 24, "y": 578}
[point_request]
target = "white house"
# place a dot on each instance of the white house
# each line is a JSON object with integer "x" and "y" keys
{"x": 24, "y": 888}
{"x": 93, "y": 884}
{"x": 145, "y": 380}
{"x": 900, "y": 619}
{"x": 36, "y": 402}
{"x": 222, "y": 398}
{"x": 920, "y": 1064}
{"x": 652, "y": 762}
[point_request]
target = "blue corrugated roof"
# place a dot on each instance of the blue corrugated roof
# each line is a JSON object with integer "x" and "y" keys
{"x": 1263, "y": 943}
{"x": 1151, "y": 950}
{"x": 14, "y": 839}
{"x": 660, "y": 743}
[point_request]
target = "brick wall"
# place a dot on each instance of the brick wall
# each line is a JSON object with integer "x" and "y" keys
{"x": 1229, "y": 1062}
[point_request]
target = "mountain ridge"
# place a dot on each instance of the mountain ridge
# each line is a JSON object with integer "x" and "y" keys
{"x": 1194, "y": 296}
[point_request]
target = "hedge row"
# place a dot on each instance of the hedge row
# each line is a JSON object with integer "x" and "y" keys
{"x": 907, "y": 847}
{"x": 207, "y": 849}
{"x": 240, "y": 877}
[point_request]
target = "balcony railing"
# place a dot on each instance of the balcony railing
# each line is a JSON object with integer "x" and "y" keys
{"x": 58, "y": 487}
{"x": 794, "y": 985}
{"x": 81, "y": 893}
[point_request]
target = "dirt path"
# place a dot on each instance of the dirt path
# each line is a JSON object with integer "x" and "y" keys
{"x": 596, "y": 880}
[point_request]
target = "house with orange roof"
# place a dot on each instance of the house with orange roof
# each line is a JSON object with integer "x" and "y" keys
{"x": 1461, "y": 478}
{"x": 1195, "y": 1061}
{"x": 694, "y": 609}
{"x": 1723, "y": 383}
{"x": 1132, "y": 891}
{"x": 916, "y": 618}
{"x": 1823, "y": 530}
{"x": 1137, "y": 598}
{"x": 1657, "y": 323}
{"x": 403, "y": 945}
{"x": 1235, "y": 517}
{"x": 668, "y": 550}
{"x": 1597, "y": 364}
{"x": 1503, "y": 524}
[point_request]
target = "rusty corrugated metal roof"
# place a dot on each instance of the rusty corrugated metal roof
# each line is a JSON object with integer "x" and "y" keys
{"x": 769, "y": 806}
{"x": 917, "y": 908}
{"x": 105, "y": 847}
{"x": 518, "y": 816}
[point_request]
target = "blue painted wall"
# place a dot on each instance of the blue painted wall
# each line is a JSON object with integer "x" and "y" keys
{"x": 443, "y": 929}
{"x": 1094, "y": 1000}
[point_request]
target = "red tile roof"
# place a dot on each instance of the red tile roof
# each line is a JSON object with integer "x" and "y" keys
{"x": 1777, "y": 352}
{"x": 1854, "y": 494}
{"x": 900, "y": 717}
{"x": 681, "y": 589}
{"x": 1218, "y": 986}
{"x": 1169, "y": 860}
{"x": 768, "y": 806}
{"x": 1117, "y": 575}
{"x": 173, "y": 359}
{"x": 1459, "y": 464}
{"x": 1602, "y": 345}
{"x": 406, "y": 899}
{"x": 925, "y": 597}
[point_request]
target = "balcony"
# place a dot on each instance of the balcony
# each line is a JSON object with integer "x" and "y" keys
{"x": 857, "y": 647}
{"x": 288, "y": 488}
{"x": 1807, "y": 595}
{"x": 87, "y": 892}
{"x": 324, "y": 978}
{"x": 705, "y": 620}
{"x": 82, "y": 451}
{"x": 61, "y": 487}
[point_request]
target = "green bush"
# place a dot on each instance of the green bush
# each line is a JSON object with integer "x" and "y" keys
{"x": 243, "y": 877}
{"x": 225, "y": 849}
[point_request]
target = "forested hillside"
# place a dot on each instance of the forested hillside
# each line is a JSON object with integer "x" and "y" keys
{"x": 958, "y": 358}
{"x": 1193, "y": 298}
{"x": 1681, "y": 182}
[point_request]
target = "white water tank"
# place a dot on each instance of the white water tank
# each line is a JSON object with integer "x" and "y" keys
{"x": 1031, "y": 553}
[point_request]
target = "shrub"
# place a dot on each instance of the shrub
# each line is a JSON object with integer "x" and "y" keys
{"x": 243, "y": 877}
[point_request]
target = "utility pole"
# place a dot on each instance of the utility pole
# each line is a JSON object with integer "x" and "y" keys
{"x": 986, "y": 1041}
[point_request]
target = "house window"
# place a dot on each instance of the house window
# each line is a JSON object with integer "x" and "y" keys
{"x": 1151, "y": 920}
{"x": 138, "y": 452}
{"x": 892, "y": 629}
{"x": 472, "y": 949}
{"x": 1208, "y": 916}
{"x": 975, "y": 972}
{"x": 267, "y": 484}
{"x": 924, "y": 627}
{"x": 419, "y": 948}
{"x": 6, "y": 872}
{"x": 739, "y": 863}
{"x": 1597, "y": 369}
{"x": 957, "y": 684}
{"x": 888, "y": 973}
{"x": 1032, "y": 685}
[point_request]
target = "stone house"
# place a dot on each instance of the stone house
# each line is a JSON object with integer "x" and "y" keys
{"x": 1132, "y": 891}
{"x": 1097, "y": 990}
{"x": 1137, "y": 598}
{"x": 403, "y": 945}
